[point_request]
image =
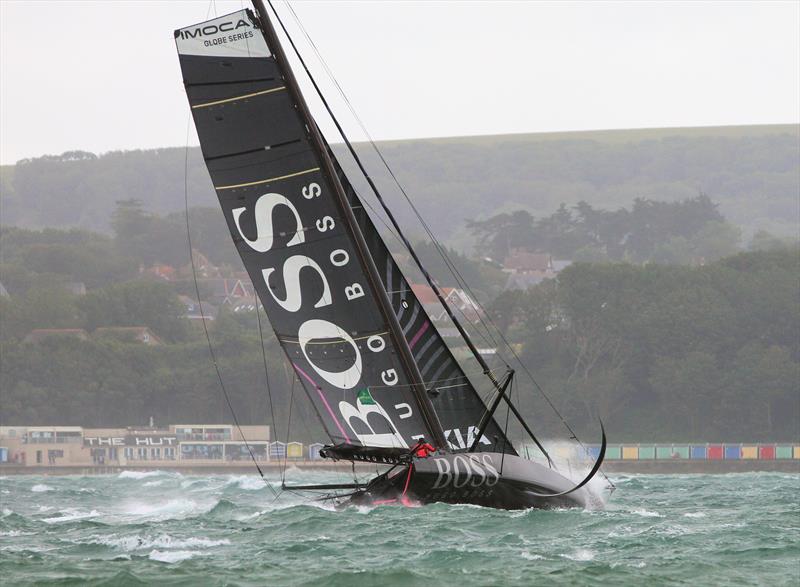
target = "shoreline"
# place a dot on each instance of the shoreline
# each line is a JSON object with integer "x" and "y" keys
{"x": 654, "y": 467}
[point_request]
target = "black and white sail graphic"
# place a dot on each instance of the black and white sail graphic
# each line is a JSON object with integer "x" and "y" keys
{"x": 455, "y": 399}
{"x": 294, "y": 238}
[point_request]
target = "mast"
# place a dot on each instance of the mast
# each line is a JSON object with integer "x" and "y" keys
{"x": 418, "y": 386}
{"x": 473, "y": 349}
{"x": 499, "y": 387}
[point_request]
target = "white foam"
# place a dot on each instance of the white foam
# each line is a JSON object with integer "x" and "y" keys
{"x": 581, "y": 554}
{"x": 172, "y": 556}
{"x": 162, "y": 541}
{"x": 14, "y": 533}
{"x": 139, "y": 474}
{"x": 172, "y": 508}
{"x": 41, "y": 488}
{"x": 7, "y": 512}
{"x": 247, "y": 482}
{"x": 153, "y": 483}
{"x": 646, "y": 513}
{"x": 694, "y": 515}
{"x": 70, "y": 515}
{"x": 531, "y": 557}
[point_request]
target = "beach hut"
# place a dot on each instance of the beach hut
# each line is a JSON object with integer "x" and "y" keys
{"x": 664, "y": 452}
{"x": 313, "y": 451}
{"x": 766, "y": 452}
{"x": 680, "y": 451}
{"x": 613, "y": 453}
{"x": 783, "y": 452}
{"x": 733, "y": 452}
{"x": 698, "y": 451}
{"x": 714, "y": 452}
{"x": 647, "y": 452}
{"x": 748, "y": 452}
{"x": 277, "y": 450}
{"x": 630, "y": 453}
{"x": 294, "y": 450}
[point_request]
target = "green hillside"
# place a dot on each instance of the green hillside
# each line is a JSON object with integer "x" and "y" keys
{"x": 753, "y": 172}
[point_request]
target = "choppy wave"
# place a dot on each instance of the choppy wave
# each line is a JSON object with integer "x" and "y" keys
{"x": 173, "y": 556}
{"x": 141, "y": 474}
{"x": 658, "y": 529}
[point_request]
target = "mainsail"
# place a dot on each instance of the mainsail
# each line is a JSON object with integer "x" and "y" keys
{"x": 368, "y": 361}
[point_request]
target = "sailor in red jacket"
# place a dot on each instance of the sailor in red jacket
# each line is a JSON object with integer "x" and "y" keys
{"x": 423, "y": 449}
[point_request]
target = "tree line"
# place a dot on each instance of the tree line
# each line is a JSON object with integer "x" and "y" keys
{"x": 664, "y": 352}
{"x": 689, "y": 231}
{"x": 752, "y": 172}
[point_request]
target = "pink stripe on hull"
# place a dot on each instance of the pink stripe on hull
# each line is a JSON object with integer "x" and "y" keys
{"x": 324, "y": 401}
{"x": 419, "y": 333}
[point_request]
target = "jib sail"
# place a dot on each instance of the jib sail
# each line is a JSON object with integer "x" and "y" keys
{"x": 457, "y": 403}
{"x": 296, "y": 239}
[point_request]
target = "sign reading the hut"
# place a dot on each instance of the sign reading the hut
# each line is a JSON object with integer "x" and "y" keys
{"x": 131, "y": 440}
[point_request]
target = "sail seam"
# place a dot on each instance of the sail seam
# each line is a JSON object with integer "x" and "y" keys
{"x": 269, "y": 180}
{"x": 297, "y": 340}
{"x": 235, "y": 98}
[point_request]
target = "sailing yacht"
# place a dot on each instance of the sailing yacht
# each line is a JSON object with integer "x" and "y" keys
{"x": 375, "y": 368}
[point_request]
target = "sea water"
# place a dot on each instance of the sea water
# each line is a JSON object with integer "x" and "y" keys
{"x": 165, "y": 528}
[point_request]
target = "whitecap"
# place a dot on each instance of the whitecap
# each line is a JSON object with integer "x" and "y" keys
{"x": 70, "y": 515}
{"x": 173, "y": 508}
{"x": 646, "y": 513}
{"x": 531, "y": 557}
{"x": 7, "y": 512}
{"x": 694, "y": 515}
{"x": 139, "y": 474}
{"x": 247, "y": 482}
{"x": 581, "y": 554}
{"x": 153, "y": 483}
{"x": 41, "y": 488}
{"x": 161, "y": 541}
{"x": 172, "y": 556}
{"x": 15, "y": 533}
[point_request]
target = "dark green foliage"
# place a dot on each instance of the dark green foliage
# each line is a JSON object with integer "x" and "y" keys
{"x": 135, "y": 303}
{"x": 663, "y": 352}
{"x": 689, "y": 231}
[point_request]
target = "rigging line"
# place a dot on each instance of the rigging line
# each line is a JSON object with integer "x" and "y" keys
{"x": 266, "y": 371}
{"x": 368, "y": 135}
{"x": 202, "y": 312}
{"x": 406, "y": 244}
{"x": 442, "y": 252}
{"x": 505, "y": 430}
{"x": 288, "y": 428}
{"x": 375, "y": 190}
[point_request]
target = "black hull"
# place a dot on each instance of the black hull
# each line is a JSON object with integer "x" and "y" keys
{"x": 484, "y": 479}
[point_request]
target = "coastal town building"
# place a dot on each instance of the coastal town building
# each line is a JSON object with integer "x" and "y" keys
{"x": 42, "y": 446}
{"x": 526, "y": 269}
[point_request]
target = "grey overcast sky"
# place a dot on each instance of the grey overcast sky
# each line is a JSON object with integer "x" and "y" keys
{"x": 102, "y": 76}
